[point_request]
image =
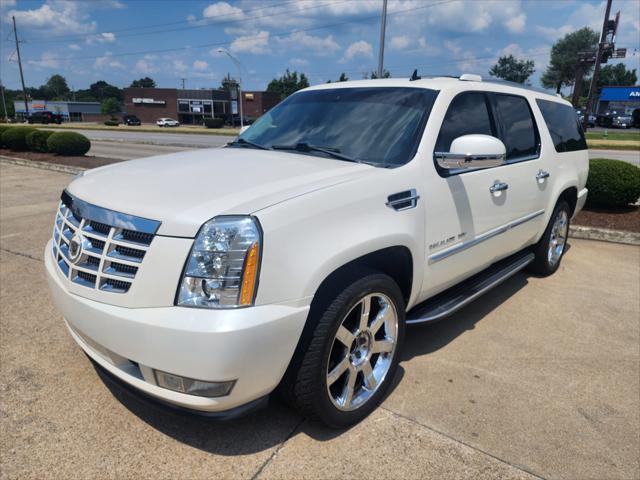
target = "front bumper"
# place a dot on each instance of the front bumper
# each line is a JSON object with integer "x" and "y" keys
{"x": 252, "y": 346}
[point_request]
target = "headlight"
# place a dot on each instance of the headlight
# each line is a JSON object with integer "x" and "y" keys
{"x": 222, "y": 268}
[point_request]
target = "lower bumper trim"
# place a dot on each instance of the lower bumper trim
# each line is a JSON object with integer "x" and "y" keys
{"x": 227, "y": 415}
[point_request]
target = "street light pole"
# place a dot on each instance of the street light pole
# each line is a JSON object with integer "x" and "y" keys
{"x": 239, "y": 65}
{"x": 383, "y": 24}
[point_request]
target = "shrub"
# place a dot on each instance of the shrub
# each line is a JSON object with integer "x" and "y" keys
{"x": 37, "y": 140}
{"x": 214, "y": 122}
{"x": 612, "y": 183}
{"x": 3, "y": 128}
{"x": 68, "y": 143}
{"x": 112, "y": 123}
{"x": 15, "y": 138}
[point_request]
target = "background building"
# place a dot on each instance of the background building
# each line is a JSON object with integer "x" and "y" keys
{"x": 254, "y": 104}
{"x": 192, "y": 106}
{"x": 149, "y": 104}
{"x": 70, "y": 111}
{"x": 619, "y": 98}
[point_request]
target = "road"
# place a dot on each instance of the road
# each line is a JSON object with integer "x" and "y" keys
{"x": 630, "y": 156}
{"x": 172, "y": 139}
{"x": 538, "y": 378}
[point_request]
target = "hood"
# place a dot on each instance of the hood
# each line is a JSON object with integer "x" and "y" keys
{"x": 184, "y": 190}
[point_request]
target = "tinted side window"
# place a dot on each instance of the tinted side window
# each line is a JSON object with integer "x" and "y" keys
{"x": 467, "y": 114}
{"x": 564, "y": 126}
{"x": 519, "y": 132}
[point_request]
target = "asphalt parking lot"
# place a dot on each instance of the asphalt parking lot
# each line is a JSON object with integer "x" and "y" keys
{"x": 539, "y": 378}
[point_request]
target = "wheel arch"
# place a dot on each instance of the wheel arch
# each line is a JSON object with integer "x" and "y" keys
{"x": 570, "y": 195}
{"x": 395, "y": 261}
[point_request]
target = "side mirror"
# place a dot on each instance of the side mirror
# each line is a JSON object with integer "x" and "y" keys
{"x": 473, "y": 151}
{"x": 244, "y": 129}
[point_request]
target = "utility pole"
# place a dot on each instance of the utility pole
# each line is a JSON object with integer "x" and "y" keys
{"x": 383, "y": 24}
{"x": 183, "y": 82}
{"x": 596, "y": 72}
{"x": 4, "y": 103}
{"x": 24, "y": 90}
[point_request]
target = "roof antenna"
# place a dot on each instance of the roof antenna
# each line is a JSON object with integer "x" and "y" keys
{"x": 414, "y": 76}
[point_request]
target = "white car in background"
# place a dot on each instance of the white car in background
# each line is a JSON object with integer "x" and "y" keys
{"x": 167, "y": 122}
{"x": 295, "y": 257}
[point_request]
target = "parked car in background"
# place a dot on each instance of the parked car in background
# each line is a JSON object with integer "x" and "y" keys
{"x": 591, "y": 121}
{"x": 234, "y": 120}
{"x": 45, "y": 117}
{"x": 295, "y": 256}
{"x": 131, "y": 120}
{"x": 167, "y": 122}
{"x": 614, "y": 118}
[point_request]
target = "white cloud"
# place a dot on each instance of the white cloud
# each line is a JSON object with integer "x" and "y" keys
{"x": 74, "y": 46}
{"x": 474, "y": 16}
{"x": 47, "y": 60}
{"x": 145, "y": 66}
{"x": 299, "y": 62}
{"x": 399, "y": 43}
{"x": 222, "y": 9}
{"x": 105, "y": 37}
{"x": 108, "y": 62}
{"x": 7, "y": 3}
{"x": 255, "y": 44}
{"x": 422, "y": 42}
{"x": 61, "y": 16}
{"x": 179, "y": 66}
{"x": 311, "y": 44}
{"x": 516, "y": 24}
{"x": 200, "y": 65}
{"x": 360, "y": 48}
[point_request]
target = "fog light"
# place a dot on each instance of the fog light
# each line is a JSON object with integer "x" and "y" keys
{"x": 193, "y": 387}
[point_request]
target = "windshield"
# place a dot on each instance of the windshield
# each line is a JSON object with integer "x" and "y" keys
{"x": 377, "y": 125}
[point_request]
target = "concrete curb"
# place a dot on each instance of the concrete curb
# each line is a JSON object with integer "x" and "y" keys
{"x": 41, "y": 165}
{"x": 604, "y": 235}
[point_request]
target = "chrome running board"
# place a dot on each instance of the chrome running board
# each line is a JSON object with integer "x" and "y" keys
{"x": 453, "y": 299}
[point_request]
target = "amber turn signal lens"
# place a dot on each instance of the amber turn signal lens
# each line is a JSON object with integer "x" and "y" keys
{"x": 250, "y": 275}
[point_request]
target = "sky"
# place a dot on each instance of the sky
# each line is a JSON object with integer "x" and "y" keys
{"x": 170, "y": 40}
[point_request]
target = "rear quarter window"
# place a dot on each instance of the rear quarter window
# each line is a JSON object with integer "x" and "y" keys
{"x": 564, "y": 126}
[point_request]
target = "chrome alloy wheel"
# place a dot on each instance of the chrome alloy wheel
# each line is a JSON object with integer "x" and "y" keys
{"x": 362, "y": 351}
{"x": 558, "y": 238}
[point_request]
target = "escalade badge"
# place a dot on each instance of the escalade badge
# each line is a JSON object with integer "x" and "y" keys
{"x": 75, "y": 248}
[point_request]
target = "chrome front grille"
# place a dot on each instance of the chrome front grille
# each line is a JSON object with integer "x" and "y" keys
{"x": 100, "y": 248}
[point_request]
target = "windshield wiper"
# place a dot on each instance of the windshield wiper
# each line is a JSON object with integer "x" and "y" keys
{"x": 248, "y": 143}
{"x": 305, "y": 147}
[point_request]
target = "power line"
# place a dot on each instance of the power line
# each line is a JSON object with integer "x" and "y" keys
{"x": 280, "y": 34}
{"x": 192, "y": 24}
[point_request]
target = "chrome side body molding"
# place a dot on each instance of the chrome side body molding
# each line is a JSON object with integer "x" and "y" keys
{"x": 436, "y": 257}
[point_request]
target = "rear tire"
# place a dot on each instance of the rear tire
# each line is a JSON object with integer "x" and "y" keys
{"x": 551, "y": 247}
{"x": 353, "y": 354}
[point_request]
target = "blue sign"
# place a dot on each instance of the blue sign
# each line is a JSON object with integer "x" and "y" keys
{"x": 620, "y": 94}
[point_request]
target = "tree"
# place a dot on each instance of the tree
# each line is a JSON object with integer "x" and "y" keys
{"x": 145, "y": 82}
{"x": 616, "y": 75}
{"x": 101, "y": 90}
{"x": 56, "y": 88}
{"x": 228, "y": 83}
{"x": 565, "y": 58}
{"x": 373, "y": 75}
{"x": 288, "y": 84}
{"x": 511, "y": 69}
{"x": 111, "y": 107}
{"x": 343, "y": 77}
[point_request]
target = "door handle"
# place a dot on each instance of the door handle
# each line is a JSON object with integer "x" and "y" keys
{"x": 498, "y": 187}
{"x": 542, "y": 175}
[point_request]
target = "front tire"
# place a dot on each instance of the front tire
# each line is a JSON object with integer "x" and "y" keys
{"x": 353, "y": 354}
{"x": 551, "y": 247}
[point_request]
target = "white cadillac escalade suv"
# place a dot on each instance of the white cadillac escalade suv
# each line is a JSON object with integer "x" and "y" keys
{"x": 295, "y": 257}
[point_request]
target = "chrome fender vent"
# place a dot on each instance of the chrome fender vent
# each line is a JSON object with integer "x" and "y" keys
{"x": 403, "y": 200}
